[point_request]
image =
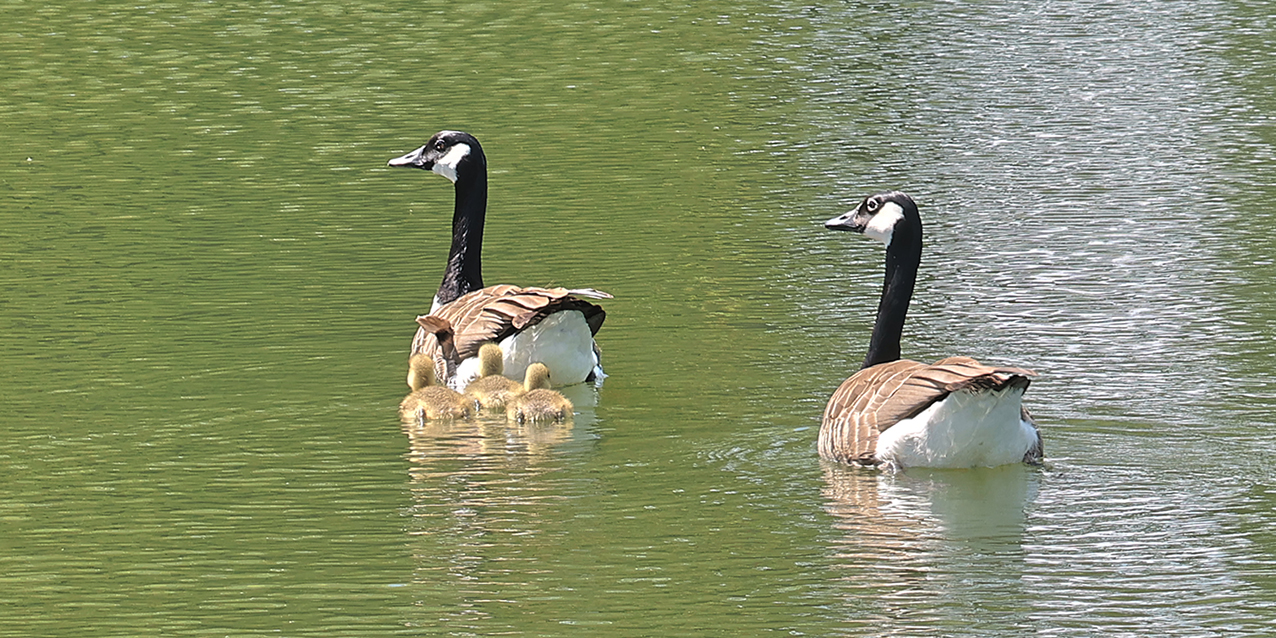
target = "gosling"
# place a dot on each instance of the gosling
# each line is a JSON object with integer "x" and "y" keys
{"x": 539, "y": 403}
{"x": 491, "y": 391}
{"x": 428, "y": 400}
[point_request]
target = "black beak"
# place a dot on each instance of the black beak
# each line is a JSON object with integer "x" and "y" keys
{"x": 845, "y": 222}
{"x": 415, "y": 159}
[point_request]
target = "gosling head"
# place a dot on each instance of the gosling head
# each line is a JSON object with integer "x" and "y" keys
{"x": 491, "y": 360}
{"x": 537, "y": 377}
{"x": 421, "y": 372}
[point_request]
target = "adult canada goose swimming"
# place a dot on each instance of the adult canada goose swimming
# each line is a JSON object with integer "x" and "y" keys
{"x": 899, "y": 413}
{"x": 429, "y": 401}
{"x": 492, "y": 390}
{"x": 553, "y": 325}
{"x": 539, "y": 403}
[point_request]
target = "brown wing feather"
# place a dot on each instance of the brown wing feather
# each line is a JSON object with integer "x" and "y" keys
{"x": 495, "y": 312}
{"x": 876, "y": 398}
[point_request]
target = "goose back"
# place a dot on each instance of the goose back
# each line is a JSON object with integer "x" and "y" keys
{"x": 496, "y": 312}
{"x": 878, "y": 397}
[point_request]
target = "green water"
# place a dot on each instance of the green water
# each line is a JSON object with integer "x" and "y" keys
{"x": 208, "y": 279}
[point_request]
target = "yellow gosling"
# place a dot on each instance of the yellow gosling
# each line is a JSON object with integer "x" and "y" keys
{"x": 539, "y": 403}
{"x": 491, "y": 390}
{"x": 428, "y": 400}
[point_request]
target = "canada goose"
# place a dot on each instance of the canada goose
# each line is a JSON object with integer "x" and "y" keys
{"x": 539, "y": 403}
{"x": 553, "y": 325}
{"x": 899, "y": 413}
{"x": 492, "y": 390}
{"x": 428, "y": 401}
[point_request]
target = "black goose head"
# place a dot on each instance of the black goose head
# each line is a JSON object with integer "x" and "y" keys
{"x": 452, "y": 154}
{"x": 879, "y": 216}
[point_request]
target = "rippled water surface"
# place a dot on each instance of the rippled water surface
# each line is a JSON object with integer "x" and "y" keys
{"x": 209, "y": 278}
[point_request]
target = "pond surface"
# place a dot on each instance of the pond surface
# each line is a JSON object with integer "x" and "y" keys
{"x": 209, "y": 281}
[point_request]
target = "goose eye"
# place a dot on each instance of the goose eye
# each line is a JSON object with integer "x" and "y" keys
{"x": 871, "y": 205}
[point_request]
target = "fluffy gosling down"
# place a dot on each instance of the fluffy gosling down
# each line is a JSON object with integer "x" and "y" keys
{"x": 429, "y": 401}
{"x": 491, "y": 390}
{"x": 539, "y": 403}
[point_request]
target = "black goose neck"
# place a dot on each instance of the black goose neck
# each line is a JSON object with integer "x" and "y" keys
{"x": 903, "y": 256}
{"x": 464, "y": 272}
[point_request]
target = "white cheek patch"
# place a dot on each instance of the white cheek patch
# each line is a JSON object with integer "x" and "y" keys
{"x": 446, "y": 165}
{"x": 882, "y": 225}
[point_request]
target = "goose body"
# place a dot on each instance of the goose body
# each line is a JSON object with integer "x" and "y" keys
{"x": 553, "y": 325}
{"x": 429, "y": 401}
{"x": 539, "y": 402}
{"x": 492, "y": 390}
{"x": 954, "y": 413}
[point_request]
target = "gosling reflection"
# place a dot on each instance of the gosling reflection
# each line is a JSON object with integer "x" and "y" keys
{"x": 486, "y": 439}
{"x": 484, "y": 480}
{"x": 912, "y": 542}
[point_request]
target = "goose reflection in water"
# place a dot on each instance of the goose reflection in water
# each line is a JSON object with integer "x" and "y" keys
{"x": 477, "y": 483}
{"x": 911, "y": 540}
